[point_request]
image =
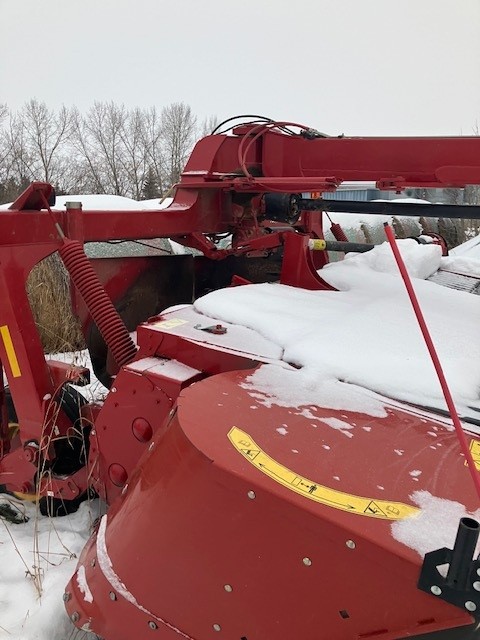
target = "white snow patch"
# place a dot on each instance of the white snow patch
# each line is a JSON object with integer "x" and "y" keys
{"x": 435, "y": 526}
{"x": 282, "y": 431}
{"x": 83, "y": 584}
{"x": 339, "y": 425}
{"x": 49, "y": 547}
{"x": 331, "y": 335}
{"x": 288, "y": 387}
{"x": 106, "y": 566}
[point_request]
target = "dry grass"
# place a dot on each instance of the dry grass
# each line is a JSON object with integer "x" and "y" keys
{"x": 49, "y": 294}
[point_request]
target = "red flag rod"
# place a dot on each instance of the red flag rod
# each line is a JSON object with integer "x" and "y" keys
{"x": 434, "y": 356}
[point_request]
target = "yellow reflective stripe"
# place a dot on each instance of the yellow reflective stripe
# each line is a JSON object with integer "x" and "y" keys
{"x": 475, "y": 451}
{"x": 10, "y": 349}
{"x": 371, "y": 507}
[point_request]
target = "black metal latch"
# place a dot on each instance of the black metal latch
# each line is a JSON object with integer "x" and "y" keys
{"x": 452, "y": 574}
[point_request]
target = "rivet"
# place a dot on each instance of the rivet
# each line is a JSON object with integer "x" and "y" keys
{"x": 228, "y": 588}
{"x": 478, "y": 571}
{"x": 113, "y": 389}
{"x": 66, "y": 596}
{"x": 350, "y": 544}
{"x": 75, "y": 616}
{"x": 112, "y": 596}
{"x": 476, "y": 586}
{"x": 217, "y": 627}
{"x": 307, "y": 562}
{"x": 152, "y": 624}
{"x": 470, "y": 606}
{"x": 251, "y": 495}
{"x": 435, "y": 590}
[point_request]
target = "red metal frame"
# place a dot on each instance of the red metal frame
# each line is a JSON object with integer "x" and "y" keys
{"x": 221, "y": 191}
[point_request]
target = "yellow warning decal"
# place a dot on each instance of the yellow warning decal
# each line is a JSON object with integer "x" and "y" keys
{"x": 10, "y": 350}
{"x": 475, "y": 451}
{"x": 170, "y": 324}
{"x": 358, "y": 505}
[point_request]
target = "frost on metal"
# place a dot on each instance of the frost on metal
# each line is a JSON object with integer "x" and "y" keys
{"x": 83, "y": 584}
{"x": 115, "y": 582}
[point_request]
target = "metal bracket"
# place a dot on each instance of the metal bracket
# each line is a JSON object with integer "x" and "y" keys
{"x": 460, "y": 583}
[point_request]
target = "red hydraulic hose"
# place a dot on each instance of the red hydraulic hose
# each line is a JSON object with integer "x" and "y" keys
{"x": 99, "y": 305}
{"x": 434, "y": 356}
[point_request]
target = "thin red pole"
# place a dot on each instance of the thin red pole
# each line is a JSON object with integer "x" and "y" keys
{"x": 434, "y": 357}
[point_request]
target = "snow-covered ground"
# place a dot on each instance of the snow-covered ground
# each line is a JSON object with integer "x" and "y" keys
{"x": 37, "y": 559}
{"x": 365, "y": 335}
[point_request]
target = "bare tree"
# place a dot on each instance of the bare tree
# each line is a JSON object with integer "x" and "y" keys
{"x": 117, "y": 147}
{"x": 453, "y": 195}
{"x": 152, "y": 140}
{"x": 42, "y": 133}
{"x": 18, "y": 157}
{"x": 103, "y": 127}
{"x": 209, "y": 125}
{"x": 109, "y": 149}
{"x": 178, "y": 133}
{"x": 3, "y": 144}
{"x": 134, "y": 158}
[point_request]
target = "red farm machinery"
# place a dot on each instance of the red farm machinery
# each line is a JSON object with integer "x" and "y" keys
{"x": 213, "y": 530}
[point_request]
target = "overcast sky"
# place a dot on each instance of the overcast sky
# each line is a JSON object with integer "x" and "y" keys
{"x": 362, "y": 67}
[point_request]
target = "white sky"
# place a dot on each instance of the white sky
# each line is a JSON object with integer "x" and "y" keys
{"x": 355, "y": 66}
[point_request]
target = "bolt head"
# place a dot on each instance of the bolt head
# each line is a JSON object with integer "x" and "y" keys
{"x": 307, "y": 562}
{"x": 435, "y": 590}
{"x": 470, "y": 606}
{"x": 350, "y": 544}
{"x": 152, "y": 624}
{"x": 228, "y": 588}
{"x": 217, "y": 627}
{"x": 476, "y": 585}
{"x": 112, "y": 595}
{"x": 66, "y": 596}
{"x": 251, "y": 495}
{"x": 75, "y": 617}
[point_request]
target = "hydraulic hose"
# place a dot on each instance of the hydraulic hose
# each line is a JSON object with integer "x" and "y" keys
{"x": 101, "y": 308}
